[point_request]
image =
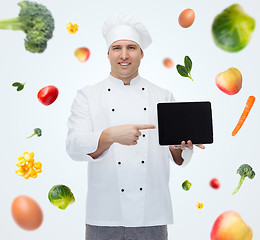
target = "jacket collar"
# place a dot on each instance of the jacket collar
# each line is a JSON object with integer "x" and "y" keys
{"x": 134, "y": 82}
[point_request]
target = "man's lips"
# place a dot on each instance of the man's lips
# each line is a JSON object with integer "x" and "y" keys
{"x": 124, "y": 64}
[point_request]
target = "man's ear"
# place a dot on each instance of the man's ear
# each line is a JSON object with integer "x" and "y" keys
{"x": 142, "y": 53}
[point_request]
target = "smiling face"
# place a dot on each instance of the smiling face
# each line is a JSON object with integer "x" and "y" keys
{"x": 125, "y": 57}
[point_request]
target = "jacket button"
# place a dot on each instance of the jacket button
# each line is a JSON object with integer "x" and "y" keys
{"x": 113, "y": 109}
{"x": 108, "y": 89}
{"x": 122, "y": 190}
{"x": 142, "y": 162}
{"x": 141, "y": 189}
{"x": 143, "y": 135}
{"x": 119, "y": 163}
{"x": 143, "y": 88}
{"x": 144, "y": 108}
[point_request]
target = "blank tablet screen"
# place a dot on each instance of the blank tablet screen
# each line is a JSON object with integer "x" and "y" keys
{"x": 183, "y": 121}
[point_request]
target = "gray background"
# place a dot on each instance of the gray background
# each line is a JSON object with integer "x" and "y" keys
{"x": 21, "y": 112}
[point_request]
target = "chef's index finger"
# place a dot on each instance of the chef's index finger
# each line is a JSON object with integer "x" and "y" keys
{"x": 145, "y": 126}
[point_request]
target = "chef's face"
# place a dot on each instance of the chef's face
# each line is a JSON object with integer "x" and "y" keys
{"x": 125, "y": 57}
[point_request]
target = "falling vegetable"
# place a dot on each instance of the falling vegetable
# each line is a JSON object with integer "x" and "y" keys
{"x": 185, "y": 70}
{"x": 36, "y": 21}
{"x": 199, "y": 205}
{"x": 19, "y": 86}
{"x": 72, "y": 28}
{"x": 232, "y": 29}
{"x": 214, "y": 183}
{"x": 48, "y": 95}
{"x": 37, "y": 131}
{"x": 61, "y": 196}
{"x": 244, "y": 171}
{"x": 27, "y": 166}
{"x": 249, "y": 104}
{"x": 186, "y": 185}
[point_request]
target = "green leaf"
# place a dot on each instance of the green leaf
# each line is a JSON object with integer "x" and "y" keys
{"x": 16, "y": 84}
{"x": 182, "y": 70}
{"x": 188, "y": 63}
{"x": 20, "y": 88}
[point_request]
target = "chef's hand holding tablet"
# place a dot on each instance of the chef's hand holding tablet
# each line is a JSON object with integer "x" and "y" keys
{"x": 189, "y": 145}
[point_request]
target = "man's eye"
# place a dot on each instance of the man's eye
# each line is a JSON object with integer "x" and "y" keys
{"x": 115, "y": 48}
{"x": 131, "y": 47}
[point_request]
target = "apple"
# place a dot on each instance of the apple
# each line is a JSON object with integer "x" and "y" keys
{"x": 229, "y": 81}
{"x": 82, "y": 54}
{"x": 230, "y": 226}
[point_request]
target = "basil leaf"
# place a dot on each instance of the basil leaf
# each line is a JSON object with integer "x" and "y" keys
{"x": 20, "y": 87}
{"x": 182, "y": 70}
{"x": 16, "y": 84}
{"x": 188, "y": 63}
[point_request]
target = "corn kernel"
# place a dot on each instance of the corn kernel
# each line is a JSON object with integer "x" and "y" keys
{"x": 31, "y": 154}
{"x": 37, "y": 165}
{"x": 30, "y": 164}
{"x": 22, "y": 162}
{"x": 26, "y": 157}
{"x": 21, "y": 169}
{"x": 38, "y": 170}
{"x": 27, "y": 175}
{"x": 20, "y": 158}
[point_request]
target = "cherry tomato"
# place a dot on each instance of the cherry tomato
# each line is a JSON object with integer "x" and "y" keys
{"x": 214, "y": 182}
{"x": 48, "y": 95}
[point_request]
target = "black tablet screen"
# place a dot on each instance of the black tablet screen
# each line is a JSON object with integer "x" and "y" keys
{"x": 178, "y": 121}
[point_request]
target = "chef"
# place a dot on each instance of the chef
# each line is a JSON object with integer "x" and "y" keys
{"x": 113, "y": 126}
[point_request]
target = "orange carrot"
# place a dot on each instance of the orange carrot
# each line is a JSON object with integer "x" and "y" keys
{"x": 249, "y": 103}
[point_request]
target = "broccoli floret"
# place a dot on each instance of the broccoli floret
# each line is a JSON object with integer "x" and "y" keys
{"x": 244, "y": 171}
{"x": 36, "y": 21}
{"x": 36, "y": 131}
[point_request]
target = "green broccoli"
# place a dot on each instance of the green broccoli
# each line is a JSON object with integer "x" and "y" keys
{"x": 36, "y": 21}
{"x": 244, "y": 171}
{"x": 36, "y": 131}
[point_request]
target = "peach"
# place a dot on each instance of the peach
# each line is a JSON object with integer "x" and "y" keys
{"x": 230, "y": 226}
{"x": 229, "y": 81}
{"x": 82, "y": 54}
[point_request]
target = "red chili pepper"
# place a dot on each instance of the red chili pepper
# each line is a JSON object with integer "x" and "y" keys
{"x": 48, "y": 95}
{"x": 214, "y": 182}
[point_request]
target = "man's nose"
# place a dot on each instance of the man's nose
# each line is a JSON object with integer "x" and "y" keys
{"x": 124, "y": 54}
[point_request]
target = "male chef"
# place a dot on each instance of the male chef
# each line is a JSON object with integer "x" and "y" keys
{"x": 113, "y": 126}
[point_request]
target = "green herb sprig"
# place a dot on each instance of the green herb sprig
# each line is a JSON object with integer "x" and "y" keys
{"x": 185, "y": 70}
{"x": 19, "y": 86}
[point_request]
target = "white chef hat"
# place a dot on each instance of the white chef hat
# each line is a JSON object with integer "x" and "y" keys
{"x": 123, "y": 26}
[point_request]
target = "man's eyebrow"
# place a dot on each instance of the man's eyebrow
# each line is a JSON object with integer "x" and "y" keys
{"x": 130, "y": 45}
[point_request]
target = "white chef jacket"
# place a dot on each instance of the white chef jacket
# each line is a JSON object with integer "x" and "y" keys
{"x": 127, "y": 185}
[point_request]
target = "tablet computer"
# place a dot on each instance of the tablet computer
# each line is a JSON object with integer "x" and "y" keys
{"x": 183, "y": 121}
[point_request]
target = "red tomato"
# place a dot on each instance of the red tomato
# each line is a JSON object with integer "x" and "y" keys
{"x": 48, "y": 95}
{"x": 214, "y": 182}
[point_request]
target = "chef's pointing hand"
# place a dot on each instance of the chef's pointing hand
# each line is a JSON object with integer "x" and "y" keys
{"x": 127, "y": 134}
